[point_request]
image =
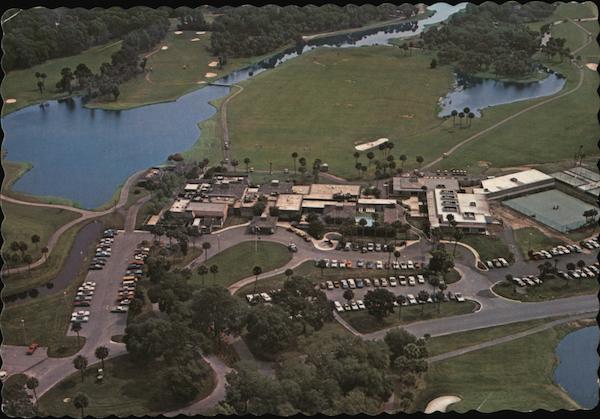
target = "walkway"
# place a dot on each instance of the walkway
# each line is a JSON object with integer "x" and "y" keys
{"x": 225, "y": 143}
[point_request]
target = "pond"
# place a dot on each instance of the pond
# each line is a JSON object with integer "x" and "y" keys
{"x": 577, "y": 372}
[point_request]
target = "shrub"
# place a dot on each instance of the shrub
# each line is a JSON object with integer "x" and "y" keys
{"x": 33, "y": 292}
{"x": 50, "y": 285}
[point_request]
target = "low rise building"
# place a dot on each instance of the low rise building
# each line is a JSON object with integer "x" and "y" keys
{"x": 470, "y": 211}
{"x": 289, "y": 206}
{"x": 516, "y": 184}
{"x": 406, "y": 186}
{"x": 208, "y": 215}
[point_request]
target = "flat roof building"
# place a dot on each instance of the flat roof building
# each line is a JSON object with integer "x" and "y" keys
{"x": 470, "y": 210}
{"x": 519, "y": 183}
{"x": 410, "y": 185}
{"x": 289, "y": 203}
{"x": 327, "y": 191}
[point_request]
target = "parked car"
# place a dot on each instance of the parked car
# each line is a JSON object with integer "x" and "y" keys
{"x": 329, "y": 285}
{"x": 359, "y": 283}
{"x": 402, "y": 280}
{"x": 379, "y": 264}
{"x": 393, "y": 282}
{"x": 351, "y": 283}
{"x": 367, "y": 282}
{"x": 384, "y": 282}
{"x": 266, "y": 297}
{"x": 375, "y": 282}
{"x": 411, "y": 281}
{"x": 420, "y": 279}
{"x": 32, "y": 348}
{"x": 344, "y": 284}
{"x": 459, "y": 297}
{"x": 119, "y": 309}
{"x": 360, "y": 263}
{"x": 360, "y": 304}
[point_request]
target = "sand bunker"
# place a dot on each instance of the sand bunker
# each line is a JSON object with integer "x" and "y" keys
{"x": 195, "y": 39}
{"x": 201, "y": 82}
{"x": 200, "y": 33}
{"x": 210, "y": 75}
{"x": 10, "y": 101}
{"x": 592, "y": 66}
{"x": 178, "y": 32}
{"x": 441, "y": 403}
{"x": 213, "y": 64}
{"x": 164, "y": 48}
{"x": 409, "y": 116}
{"x": 366, "y": 146}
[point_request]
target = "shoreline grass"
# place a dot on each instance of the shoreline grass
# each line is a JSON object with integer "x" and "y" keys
{"x": 551, "y": 289}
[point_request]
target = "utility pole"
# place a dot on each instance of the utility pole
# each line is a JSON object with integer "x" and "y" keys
{"x": 270, "y": 167}
{"x": 24, "y": 335}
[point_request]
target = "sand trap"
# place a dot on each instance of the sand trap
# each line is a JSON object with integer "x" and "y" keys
{"x": 213, "y": 64}
{"x": 164, "y": 48}
{"x": 558, "y": 22}
{"x": 178, "y": 32}
{"x": 441, "y": 403}
{"x": 366, "y": 146}
{"x": 591, "y": 66}
{"x": 409, "y": 116}
{"x": 210, "y": 75}
{"x": 10, "y": 101}
{"x": 201, "y": 82}
{"x": 200, "y": 33}
{"x": 195, "y": 39}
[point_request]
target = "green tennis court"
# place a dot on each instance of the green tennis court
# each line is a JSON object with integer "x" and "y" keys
{"x": 554, "y": 208}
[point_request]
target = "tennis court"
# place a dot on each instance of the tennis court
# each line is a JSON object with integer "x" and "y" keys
{"x": 554, "y": 208}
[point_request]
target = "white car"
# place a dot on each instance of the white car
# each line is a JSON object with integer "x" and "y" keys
{"x": 266, "y": 297}
{"x": 403, "y": 265}
{"x": 80, "y": 319}
{"x": 91, "y": 283}
{"x": 338, "y": 306}
{"x": 334, "y": 263}
{"x": 119, "y": 309}
{"x": 360, "y": 304}
{"x": 342, "y": 264}
{"x": 459, "y": 297}
{"x": 503, "y": 261}
{"x": 384, "y": 282}
{"x": 379, "y": 264}
{"x": 420, "y": 279}
{"x": 81, "y": 313}
{"x": 329, "y": 285}
{"x": 402, "y": 280}
{"x": 249, "y": 298}
{"x": 393, "y": 282}
{"x": 411, "y": 299}
{"x": 489, "y": 264}
{"x": 351, "y": 283}
{"x": 410, "y": 264}
{"x": 354, "y": 306}
{"x": 411, "y": 281}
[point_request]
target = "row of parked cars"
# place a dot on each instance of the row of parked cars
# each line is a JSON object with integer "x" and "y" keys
{"x": 134, "y": 271}
{"x": 410, "y": 300}
{"x": 103, "y": 250}
{"x": 259, "y": 297}
{"x": 299, "y": 233}
{"x": 366, "y": 247}
{"x": 556, "y": 251}
{"x": 590, "y": 244}
{"x": 590, "y": 271}
{"x": 496, "y": 263}
{"x": 392, "y": 281}
{"x": 377, "y": 264}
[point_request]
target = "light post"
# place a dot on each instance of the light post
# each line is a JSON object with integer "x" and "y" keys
{"x": 23, "y": 327}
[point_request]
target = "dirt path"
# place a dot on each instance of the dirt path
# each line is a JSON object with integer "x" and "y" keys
{"x": 225, "y": 129}
{"x": 521, "y": 112}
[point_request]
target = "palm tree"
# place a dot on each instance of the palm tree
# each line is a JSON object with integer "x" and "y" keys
{"x": 294, "y": 156}
{"x": 235, "y": 164}
{"x": 358, "y": 168}
{"x": 454, "y": 113}
{"x": 202, "y": 271}
{"x": 356, "y": 156}
{"x": 434, "y": 281}
{"x": 402, "y": 158}
{"x": 466, "y": 110}
{"x": 45, "y": 252}
{"x": 400, "y": 299}
{"x": 256, "y": 271}
{"x": 382, "y": 148}
{"x": 370, "y": 156}
{"x": 423, "y": 296}
{"x": 461, "y": 116}
{"x": 102, "y": 353}
{"x": 214, "y": 269}
{"x": 396, "y": 255}
{"x": 81, "y": 401}
{"x": 80, "y": 363}
{"x": 362, "y": 223}
{"x": 302, "y": 161}
{"x": 35, "y": 239}
{"x": 389, "y": 145}
{"x": 303, "y": 173}
{"x": 28, "y": 260}
{"x": 76, "y": 327}
{"x": 289, "y": 273}
{"x": 321, "y": 264}
{"x": 420, "y": 160}
{"x": 206, "y": 246}
{"x": 363, "y": 169}
{"x": 32, "y": 383}
{"x": 247, "y": 163}
{"x": 458, "y": 235}
{"x": 470, "y": 115}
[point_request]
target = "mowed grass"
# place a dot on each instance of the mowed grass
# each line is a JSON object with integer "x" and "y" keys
{"x": 23, "y": 221}
{"x": 516, "y": 375}
{"x": 126, "y": 390}
{"x": 577, "y": 10}
{"x": 530, "y": 238}
{"x": 488, "y": 247}
{"x": 237, "y": 262}
{"x": 22, "y": 84}
{"x": 447, "y": 343}
{"x": 324, "y": 102}
{"x": 551, "y": 289}
{"x": 363, "y": 322}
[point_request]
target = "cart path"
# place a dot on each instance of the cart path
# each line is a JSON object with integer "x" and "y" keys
{"x": 522, "y": 111}
{"x": 224, "y": 128}
{"x": 84, "y": 216}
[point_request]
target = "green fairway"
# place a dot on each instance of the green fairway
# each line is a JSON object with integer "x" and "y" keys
{"x": 576, "y": 10}
{"x": 447, "y": 343}
{"x": 128, "y": 389}
{"x": 324, "y": 102}
{"x": 530, "y": 238}
{"x": 23, "y": 221}
{"x": 488, "y": 247}
{"x": 363, "y": 322}
{"x": 515, "y": 375}
{"x": 551, "y": 289}
{"x": 237, "y": 262}
{"x": 21, "y": 84}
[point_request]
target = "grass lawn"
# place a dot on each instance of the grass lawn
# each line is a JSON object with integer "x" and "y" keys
{"x": 442, "y": 344}
{"x": 488, "y": 247}
{"x": 532, "y": 238}
{"x": 22, "y": 84}
{"x": 363, "y": 322}
{"x": 127, "y": 390}
{"x": 23, "y": 221}
{"x": 135, "y": 194}
{"x": 577, "y": 10}
{"x": 324, "y": 102}
{"x": 515, "y": 375}
{"x": 237, "y": 262}
{"x": 551, "y": 289}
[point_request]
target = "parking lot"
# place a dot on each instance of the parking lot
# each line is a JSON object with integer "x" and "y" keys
{"x": 103, "y": 324}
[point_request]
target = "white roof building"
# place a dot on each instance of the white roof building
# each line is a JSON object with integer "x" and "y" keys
{"x": 526, "y": 181}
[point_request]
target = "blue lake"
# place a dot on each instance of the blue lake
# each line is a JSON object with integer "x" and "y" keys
{"x": 577, "y": 372}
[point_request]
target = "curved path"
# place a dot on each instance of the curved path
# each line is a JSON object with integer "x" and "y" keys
{"x": 522, "y": 111}
{"x": 225, "y": 129}
{"x": 84, "y": 216}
